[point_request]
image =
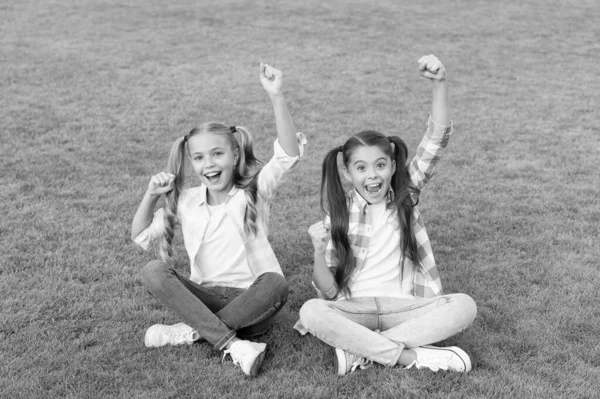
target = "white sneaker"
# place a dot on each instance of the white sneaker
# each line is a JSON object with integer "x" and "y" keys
{"x": 434, "y": 358}
{"x": 248, "y": 355}
{"x": 177, "y": 334}
{"x": 348, "y": 362}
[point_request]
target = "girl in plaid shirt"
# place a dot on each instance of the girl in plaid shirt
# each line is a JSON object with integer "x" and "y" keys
{"x": 380, "y": 293}
{"x": 236, "y": 285}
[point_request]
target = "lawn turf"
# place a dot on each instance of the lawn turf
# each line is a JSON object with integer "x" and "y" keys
{"x": 92, "y": 94}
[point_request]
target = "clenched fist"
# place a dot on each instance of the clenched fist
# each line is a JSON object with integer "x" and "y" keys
{"x": 271, "y": 79}
{"x": 432, "y": 68}
{"x": 161, "y": 183}
{"x": 320, "y": 236}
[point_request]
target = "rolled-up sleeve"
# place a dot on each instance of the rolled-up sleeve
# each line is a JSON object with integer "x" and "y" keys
{"x": 153, "y": 231}
{"x": 331, "y": 294}
{"x": 279, "y": 165}
{"x": 286, "y": 161}
{"x": 429, "y": 152}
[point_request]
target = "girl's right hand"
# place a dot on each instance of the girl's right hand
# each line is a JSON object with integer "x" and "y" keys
{"x": 432, "y": 68}
{"x": 161, "y": 183}
{"x": 271, "y": 79}
{"x": 320, "y": 236}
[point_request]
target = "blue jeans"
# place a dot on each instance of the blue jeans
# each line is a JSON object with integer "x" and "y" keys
{"x": 218, "y": 314}
{"x": 400, "y": 323}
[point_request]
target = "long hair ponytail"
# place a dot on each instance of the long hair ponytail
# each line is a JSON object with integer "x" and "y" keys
{"x": 334, "y": 203}
{"x": 246, "y": 178}
{"x": 334, "y": 199}
{"x": 406, "y": 197}
{"x": 174, "y": 166}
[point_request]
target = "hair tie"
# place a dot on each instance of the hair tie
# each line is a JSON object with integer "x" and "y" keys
{"x": 233, "y": 129}
{"x": 341, "y": 148}
{"x": 185, "y": 138}
{"x": 392, "y": 144}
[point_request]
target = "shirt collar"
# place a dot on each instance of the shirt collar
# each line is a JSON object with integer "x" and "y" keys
{"x": 204, "y": 193}
{"x": 362, "y": 203}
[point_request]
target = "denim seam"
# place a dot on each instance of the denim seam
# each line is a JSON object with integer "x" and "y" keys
{"x": 413, "y": 307}
{"x": 401, "y": 348}
{"x": 269, "y": 313}
{"x": 208, "y": 291}
{"x": 310, "y": 330}
{"x": 205, "y": 289}
{"x": 350, "y": 311}
{"x": 225, "y": 340}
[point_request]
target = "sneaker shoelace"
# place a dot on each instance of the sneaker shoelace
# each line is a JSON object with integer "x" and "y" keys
{"x": 225, "y": 353}
{"x": 236, "y": 356}
{"x": 361, "y": 362}
{"x": 178, "y": 337}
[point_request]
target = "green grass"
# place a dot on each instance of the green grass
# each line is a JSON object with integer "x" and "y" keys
{"x": 92, "y": 94}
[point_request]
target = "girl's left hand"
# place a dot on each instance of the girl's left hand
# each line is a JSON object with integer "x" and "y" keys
{"x": 271, "y": 79}
{"x": 432, "y": 68}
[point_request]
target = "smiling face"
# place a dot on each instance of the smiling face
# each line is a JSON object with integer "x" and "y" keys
{"x": 213, "y": 160}
{"x": 370, "y": 170}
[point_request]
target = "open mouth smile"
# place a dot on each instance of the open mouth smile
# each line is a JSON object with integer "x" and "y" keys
{"x": 373, "y": 189}
{"x": 212, "y": 176}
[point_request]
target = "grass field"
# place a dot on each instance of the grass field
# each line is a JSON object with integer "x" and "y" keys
{"x": 92, "y": 93}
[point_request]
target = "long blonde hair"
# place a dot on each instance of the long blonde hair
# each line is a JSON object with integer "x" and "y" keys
{"x": 245, "y": 177}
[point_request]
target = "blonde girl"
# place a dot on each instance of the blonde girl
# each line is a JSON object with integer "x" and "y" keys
{"x": 236, "y": 285}
{"x": 380, "y": 293}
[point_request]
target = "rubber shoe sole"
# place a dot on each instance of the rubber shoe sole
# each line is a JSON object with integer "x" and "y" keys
{"x": 336, "y": 362}
{"x": 257, "y": 365}
{"x": 461, "y": 354}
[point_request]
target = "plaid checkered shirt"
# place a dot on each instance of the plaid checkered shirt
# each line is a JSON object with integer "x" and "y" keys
{"x": 426, "y": 279}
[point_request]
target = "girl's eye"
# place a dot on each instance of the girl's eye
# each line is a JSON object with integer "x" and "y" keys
{"x": 361, "y": 168}
{"x": 196, "y": 158}
{"x": 217, "y": 154}
{"x": 381, "y": 165}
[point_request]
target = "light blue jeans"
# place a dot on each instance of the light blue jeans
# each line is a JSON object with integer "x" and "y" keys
{"x": 379, "y": 328}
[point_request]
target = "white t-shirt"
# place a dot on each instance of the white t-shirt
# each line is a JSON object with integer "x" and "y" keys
{"x": 380, "y": 274}
{"x": 222, "y": 257}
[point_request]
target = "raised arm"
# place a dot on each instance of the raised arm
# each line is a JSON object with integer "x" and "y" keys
{"x": 432, "y": 69}
{"x": 271, "y": 80}
{"x": 439, "y": 127}
{"x": 159, "y": 184}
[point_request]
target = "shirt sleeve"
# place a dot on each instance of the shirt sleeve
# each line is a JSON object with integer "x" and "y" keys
{"x": 332, "y": 262}
{"x": 278, "y": 166}
{"x": 329, "y": 295}
{"x": 429, "y": 152}
{"x": 153, "y": 231}
{"x": 331, "y": 255}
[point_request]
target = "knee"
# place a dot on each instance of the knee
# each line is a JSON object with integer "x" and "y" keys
{"x": 467, "y": 308}
{"x": 310, "y": 312}
{"x": 154, "y": 273}
{"x": 276, "y": 283}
